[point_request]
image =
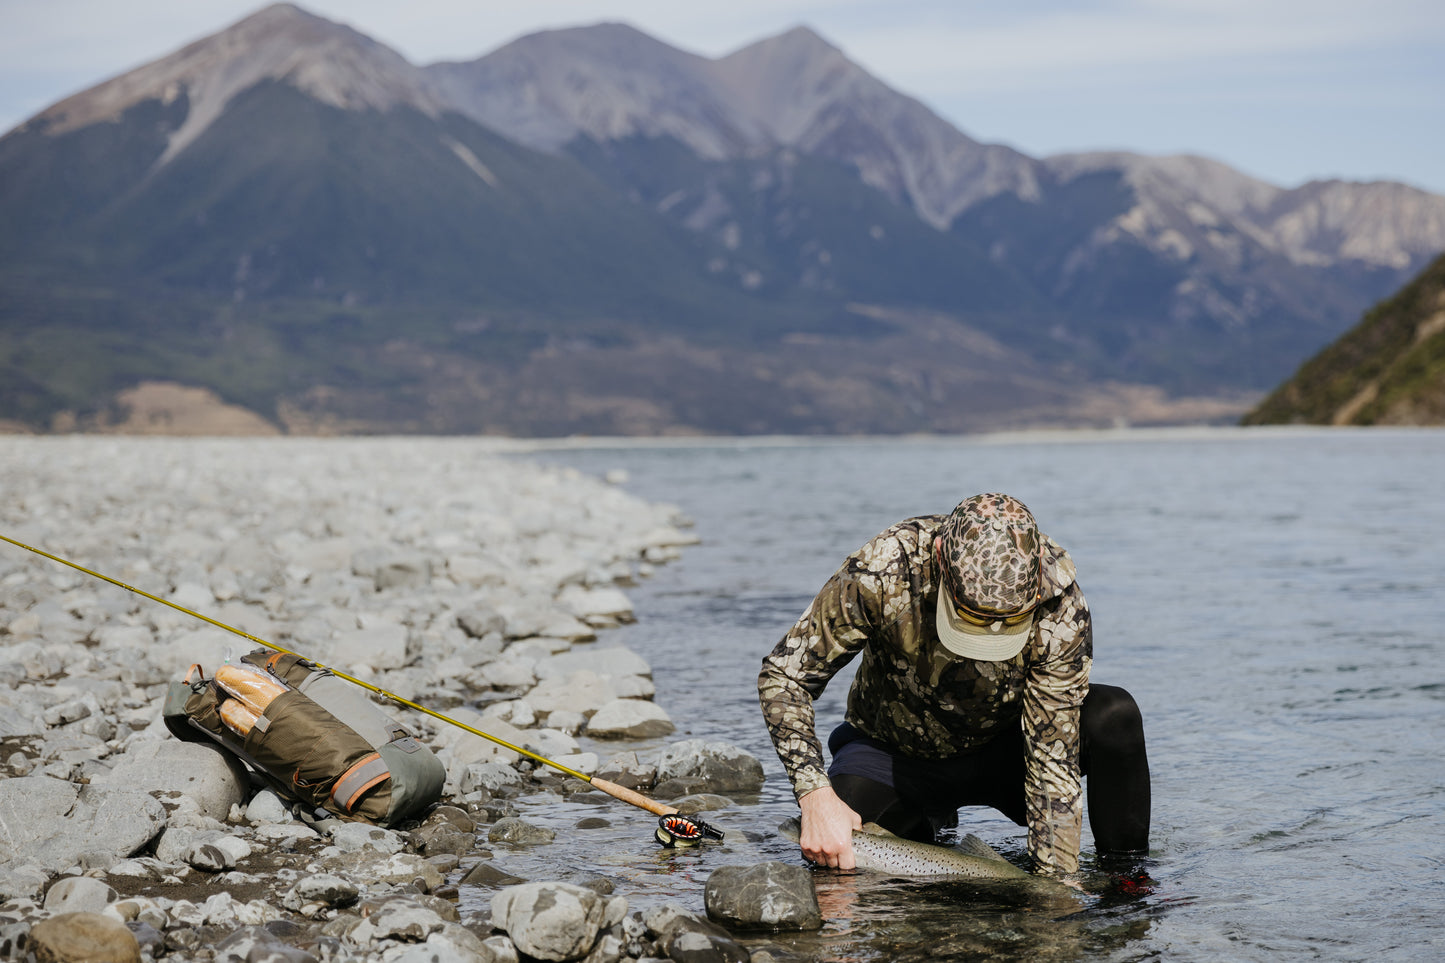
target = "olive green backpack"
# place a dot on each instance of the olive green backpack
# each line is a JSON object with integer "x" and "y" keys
{"x": 321, "y": 743}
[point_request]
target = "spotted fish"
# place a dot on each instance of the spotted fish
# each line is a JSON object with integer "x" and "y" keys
{"x": 877, "y": 849}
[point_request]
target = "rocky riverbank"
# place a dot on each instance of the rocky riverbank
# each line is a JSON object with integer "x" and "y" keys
{"x": 468, "y": 582}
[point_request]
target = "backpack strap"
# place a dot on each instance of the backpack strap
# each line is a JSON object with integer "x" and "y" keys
{"x": 366, "y": 773}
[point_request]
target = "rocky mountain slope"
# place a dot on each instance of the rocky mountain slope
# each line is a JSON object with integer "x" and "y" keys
{"x": 1387, "y": 370}
{"x": 588, "y": 230}
{"x": 1173, "y": 270}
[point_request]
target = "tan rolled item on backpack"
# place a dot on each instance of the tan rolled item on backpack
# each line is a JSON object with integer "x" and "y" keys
{"x": 254, "y": 688}
{"x": 238, "y": 716}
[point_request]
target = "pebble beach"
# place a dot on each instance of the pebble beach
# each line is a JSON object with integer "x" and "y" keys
{"x": 449, "y": 572}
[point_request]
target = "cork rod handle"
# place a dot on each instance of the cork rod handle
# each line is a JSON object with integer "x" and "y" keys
{"x": 632, "y": 797}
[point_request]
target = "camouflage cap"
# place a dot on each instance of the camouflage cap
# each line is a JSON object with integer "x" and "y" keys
{"x": 989, "y": 557}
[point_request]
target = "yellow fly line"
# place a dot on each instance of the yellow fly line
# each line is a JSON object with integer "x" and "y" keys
{"x": 611, "y": 788}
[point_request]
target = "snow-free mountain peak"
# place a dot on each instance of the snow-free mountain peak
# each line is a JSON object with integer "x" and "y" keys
{"x": 606, "y": 82}
{"x": 328, "y": 61}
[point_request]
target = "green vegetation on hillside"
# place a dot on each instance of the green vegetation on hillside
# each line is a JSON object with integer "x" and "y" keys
{"x": 1388, "y": 369}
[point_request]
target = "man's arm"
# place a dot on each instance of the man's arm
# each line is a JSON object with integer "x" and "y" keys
{"x": 827, "y": 636}
{"x": 1053, "y": 695}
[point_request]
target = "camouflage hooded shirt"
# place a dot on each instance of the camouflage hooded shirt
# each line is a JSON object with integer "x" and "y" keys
{"x": 912, "y": 694}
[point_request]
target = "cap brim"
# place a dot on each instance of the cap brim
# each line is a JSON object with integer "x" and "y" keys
{"x": 994, "y": 642}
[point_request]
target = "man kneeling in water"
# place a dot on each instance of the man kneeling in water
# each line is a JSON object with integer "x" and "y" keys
{"x": 973, "y": 690}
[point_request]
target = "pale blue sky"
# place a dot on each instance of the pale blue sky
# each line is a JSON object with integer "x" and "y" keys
{"x": 1285, "y": 90}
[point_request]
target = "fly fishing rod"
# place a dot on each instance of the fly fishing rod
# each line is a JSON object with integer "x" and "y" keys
{"x": 673, "y": 828}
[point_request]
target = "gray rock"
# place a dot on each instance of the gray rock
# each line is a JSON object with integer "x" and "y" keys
{"x": 490, "y": 776}
{"x": 206, "y": 774}
{"x": 604, "y": 606}
{"x": 551, "y": 743}
{"x": 689, "y": 939}
{"x": 267, "y": 807}
{"x": 518, "y": 712}
{"x": 583, "y": 691}
{"x": 208, "y": 858}
{"x": 28, "y": 808}
{"x": 694, "y": 947}
{"x": 462, "y": 748}
{"x": 99, "y": 825}
{"x": 719, "y": 766}
{"x": 490, "y": 875}
{"x": 322, "y": 888}
{"x": 607, "y": 950}
{"x": 405, "y": 919}
{"x": 21, "y": 879}
{"x": 630, "y": 719}
{"x": 479, "y": 623}
{"x": 701, "y": 803}
{"x": 528, "y": 617}
{"x": 77, "y": 937}
{"x": 453, "y": 944}
{"x": 611, "y": 660}
{"x": 14, "y": 938}
{"x": 391, "y": 568}
{"x": 508, "y": 672}
{"x": 626, "y": 769}
{"x": 513, "y": 830}
{"x": 633, "y": 686}
{"x": 502, "y": 948}
{"x": 451, "y": 816}
{"x": 67, "y": 712}
{"x": 551, "y": 921}
{"x": 256, "y": 944}
{"x": 381, "y": 646}
{"x": 772, "y": 896}
{"x": 176, "y": 841}
{"x": 565, "y": 720}
{"x": 398, "y": 868}
{"x": 79, "y": 894}
{"x": 444, "y": 840}
{"x": 354, "y": 837}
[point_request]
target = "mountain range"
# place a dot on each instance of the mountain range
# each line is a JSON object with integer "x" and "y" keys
{"x": 588, "y": 230}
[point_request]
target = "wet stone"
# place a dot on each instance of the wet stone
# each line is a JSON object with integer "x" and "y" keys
{"x": 686, "y": 938}
{"x": 772, "y": 896}
{"x": 701, "y": 803}
{"x": 452, "y": 816}
{"x": 491, "y": 876}
{"x": 627, "y": 770}
{"x": 444, "y": 840}
{"x": 514, "y": 830}
{"x": 720, "y": 766}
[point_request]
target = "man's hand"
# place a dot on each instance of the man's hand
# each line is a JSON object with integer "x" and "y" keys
{"x": 827, "y": 834}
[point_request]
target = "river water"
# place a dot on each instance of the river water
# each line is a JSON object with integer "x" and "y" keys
{"x": 1270, "y": 597}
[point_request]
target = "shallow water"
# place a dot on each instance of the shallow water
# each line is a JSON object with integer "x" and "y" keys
{"x": 1270, "y": 598}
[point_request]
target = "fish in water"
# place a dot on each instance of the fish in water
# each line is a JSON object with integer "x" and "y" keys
{"x": 876, "y": 848}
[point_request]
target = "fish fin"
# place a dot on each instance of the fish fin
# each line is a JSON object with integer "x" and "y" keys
{"x": 974, "y": 846}
{"x": 873, "y": 829}
{"x": 791, "y": 828}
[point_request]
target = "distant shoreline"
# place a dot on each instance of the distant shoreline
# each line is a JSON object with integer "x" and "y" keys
{"x": 507, "y": 445}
